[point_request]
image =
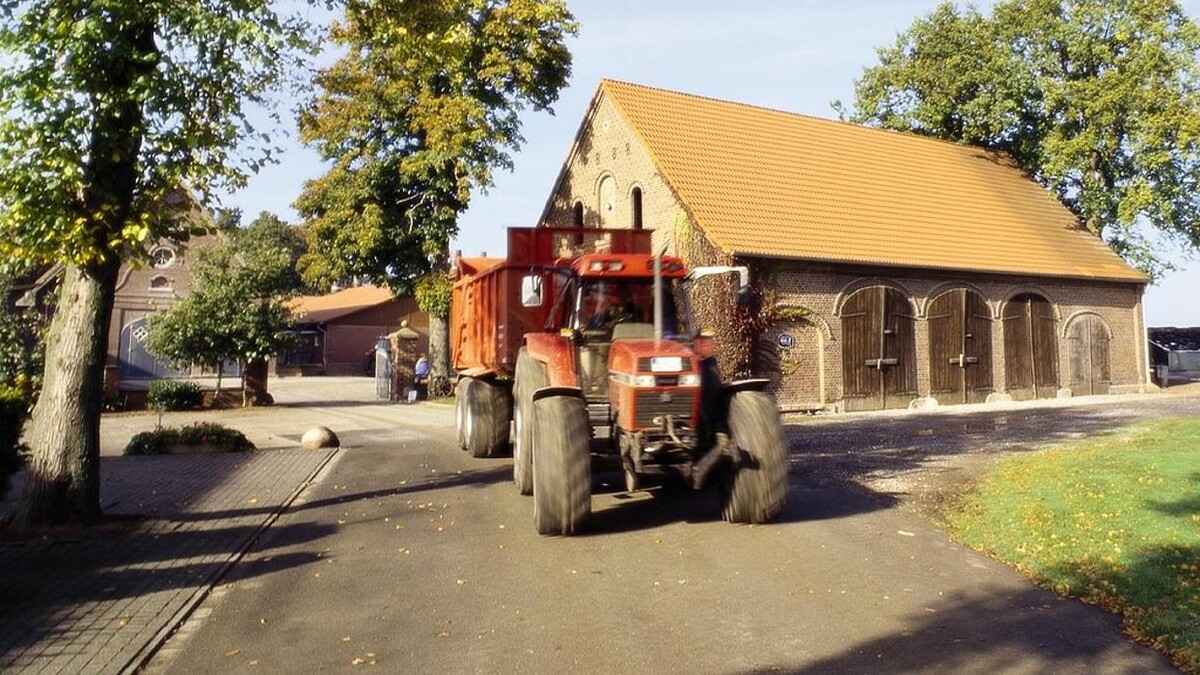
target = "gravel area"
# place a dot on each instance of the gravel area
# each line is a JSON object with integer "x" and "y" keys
{"x": 919, "y": 459}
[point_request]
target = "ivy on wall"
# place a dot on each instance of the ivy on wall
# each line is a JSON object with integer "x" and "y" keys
{"x": 737, "y": 328}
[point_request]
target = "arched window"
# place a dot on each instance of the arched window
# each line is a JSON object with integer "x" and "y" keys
{"x": 160, "y": 283}
{"x": 577, "y": 215}
{"x": 607, "y": 201}
{"x": 636, "y": 198}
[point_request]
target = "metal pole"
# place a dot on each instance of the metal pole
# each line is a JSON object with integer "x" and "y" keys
{"x": 658, "y": 304}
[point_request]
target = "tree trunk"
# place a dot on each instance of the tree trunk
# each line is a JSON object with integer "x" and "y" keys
{"x": 63, "y": 481}
{"x": 439, "y": 357}
{"x": 62, "y": 484}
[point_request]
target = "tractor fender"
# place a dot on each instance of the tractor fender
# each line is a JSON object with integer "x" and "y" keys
{"x": 544, "y": 392}
{"x": 750, "y": 384}
{"x": 558, "y": 353}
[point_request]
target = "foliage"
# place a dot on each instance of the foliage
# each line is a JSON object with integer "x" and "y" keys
{"x": 733, "y": 326}
{"x": 159, "y": 441}
{"x": 14, "y": 407}
{"x": 22, "y": 345}
{"x": 420, "y": 110}
{"x": 1114, "y": 521}
{"x": 265, "y": 237}
{"x": 1099, "y": 101}
{"x": 433, "y": 294}
{"x": 233, "y": 312}
{"x": 174, "y": 395}
{"x": 154, "y": 92}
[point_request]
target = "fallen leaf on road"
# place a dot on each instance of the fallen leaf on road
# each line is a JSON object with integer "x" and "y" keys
{"x": 462, "y": 582}
{"x": 902, "y": 533}
{"x": 233, "y": 652}
{"x": 252, "y": 500}
{"x": 443, "y": 634}
{"x": 346, "y": 639}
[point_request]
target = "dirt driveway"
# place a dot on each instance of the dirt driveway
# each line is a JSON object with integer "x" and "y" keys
{"x": 917, "y": 459}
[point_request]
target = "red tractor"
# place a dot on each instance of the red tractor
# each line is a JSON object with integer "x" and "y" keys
{"x": 598, "y": 353}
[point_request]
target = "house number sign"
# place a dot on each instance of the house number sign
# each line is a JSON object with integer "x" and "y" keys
{"x": 786, "y": 341}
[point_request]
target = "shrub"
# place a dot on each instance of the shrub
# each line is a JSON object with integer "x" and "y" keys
{"x": 13, "y": 408}
{"x": 158, "y": 441}
{"x": 174, "y": 395}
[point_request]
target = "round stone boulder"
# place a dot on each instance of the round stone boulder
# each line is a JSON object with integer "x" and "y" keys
{"x": 319, "y": 437}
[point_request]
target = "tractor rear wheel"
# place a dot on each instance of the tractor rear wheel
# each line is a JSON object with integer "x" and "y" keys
{"x": 562, "y": 465}
{"x": 757, "y": 486}
{"x": 486, "y": 410}
{"x": 529, "y": 377}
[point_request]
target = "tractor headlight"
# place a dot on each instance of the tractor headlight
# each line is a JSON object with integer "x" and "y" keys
{"x": 690, "y": 380}
{"x": 643, "y": 381}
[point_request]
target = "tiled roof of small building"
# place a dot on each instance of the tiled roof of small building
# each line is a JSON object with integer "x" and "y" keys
{"x": 762, "y": 182}
{"x": 322, "y": 308}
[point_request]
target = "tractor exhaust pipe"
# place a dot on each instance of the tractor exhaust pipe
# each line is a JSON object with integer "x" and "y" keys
{"x": 658, "y": 300}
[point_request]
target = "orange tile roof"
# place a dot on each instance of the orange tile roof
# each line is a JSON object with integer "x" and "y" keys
{"x": 322, "y": 308}
{"x": 763, "y": 182}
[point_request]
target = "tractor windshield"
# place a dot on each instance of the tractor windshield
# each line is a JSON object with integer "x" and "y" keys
{"x": 606, "y": 303}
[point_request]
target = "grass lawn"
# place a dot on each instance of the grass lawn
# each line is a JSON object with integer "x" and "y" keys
{"x": 1114, "y": 521}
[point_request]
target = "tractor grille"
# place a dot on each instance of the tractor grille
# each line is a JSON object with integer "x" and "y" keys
{"x": 649, "y": 403}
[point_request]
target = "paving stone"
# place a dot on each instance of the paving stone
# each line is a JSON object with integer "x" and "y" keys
{"x": 94, "y": 603}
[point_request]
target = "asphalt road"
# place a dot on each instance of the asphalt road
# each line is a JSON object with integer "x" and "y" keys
{"x": 433, "y": 565}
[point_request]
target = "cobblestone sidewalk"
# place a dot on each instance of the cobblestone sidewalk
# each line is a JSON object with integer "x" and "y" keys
{"x": 103, "y": 600}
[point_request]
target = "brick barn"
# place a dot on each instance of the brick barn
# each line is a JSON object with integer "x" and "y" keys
{"x": 897, "y": 269}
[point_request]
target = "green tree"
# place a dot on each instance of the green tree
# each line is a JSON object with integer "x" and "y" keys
{"x": 22, "y": 343}
{"x": 267, "y": 236}
{"x": 1099, "y": 100}
{"x": 233, "y": 312}
{"x": 420, "y": 111}
{"x": 108, "y": 110}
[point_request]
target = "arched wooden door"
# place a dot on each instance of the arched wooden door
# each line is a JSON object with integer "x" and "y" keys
{"x": 878, "y": 352}
{"x": 1030, "y": 347}
{"x": 1087, "y": 342}
{"x": 960, "y": 347}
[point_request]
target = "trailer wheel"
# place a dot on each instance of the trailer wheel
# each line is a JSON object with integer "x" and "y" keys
{"x": 757, "y": 488}
{"x": 486, "y": 408}
{"x": 460, "y": 410}
{"x": 530, "y": 376}
{"x": 562, "y": 465}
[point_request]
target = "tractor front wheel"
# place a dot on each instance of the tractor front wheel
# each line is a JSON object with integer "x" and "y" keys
{"x": 757, "y": 484}
{"x": 562, "y": 465}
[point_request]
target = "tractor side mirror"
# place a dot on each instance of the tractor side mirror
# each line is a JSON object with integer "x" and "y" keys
{"x": 531, "y": 291}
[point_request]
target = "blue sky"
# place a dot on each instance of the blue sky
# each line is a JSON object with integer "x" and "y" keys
{"x": 794, "y": 55}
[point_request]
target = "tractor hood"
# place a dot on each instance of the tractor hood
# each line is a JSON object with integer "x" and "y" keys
{"x": 651, "y": 357}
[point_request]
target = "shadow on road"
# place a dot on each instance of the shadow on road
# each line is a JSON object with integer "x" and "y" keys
{"x": 832, "y": 451}
{"x": 994, "y": 630}
{"x": 45, "y": 579}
